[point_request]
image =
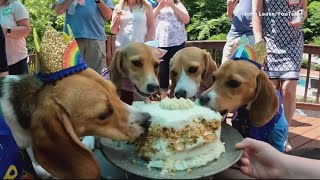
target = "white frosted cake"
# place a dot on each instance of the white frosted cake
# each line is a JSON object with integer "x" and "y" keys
{"x": 182, "y": 135}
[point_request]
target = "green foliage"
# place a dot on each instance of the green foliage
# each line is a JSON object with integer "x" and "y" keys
{"x": 207, "y": 18}
{"x": 312, "y": 23}
{"x": 316, "y": 67}
{"x": 304, "y": 63}
{"x": 42, "y": 15}
{"x": 316, "y": 40}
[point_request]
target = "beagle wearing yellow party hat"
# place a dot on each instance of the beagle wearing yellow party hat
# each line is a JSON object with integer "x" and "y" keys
{"x": 51, "y": 110}
{"x": 240, "y": 86}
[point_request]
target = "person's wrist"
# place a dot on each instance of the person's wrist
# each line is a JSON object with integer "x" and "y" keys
{"x": 98, "y": 1}
{"x": 283, "y": 167}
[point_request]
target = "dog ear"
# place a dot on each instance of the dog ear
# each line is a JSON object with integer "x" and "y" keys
{"x": 116, "y": 72}
{"x": 265, "y": 103}
{"x": 173, "y": 80}
{"x": 56, "y": 146}
{"x": 210, "y": 66}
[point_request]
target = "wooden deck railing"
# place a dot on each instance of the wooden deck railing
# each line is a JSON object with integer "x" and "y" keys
{"x": 214, "y": 46}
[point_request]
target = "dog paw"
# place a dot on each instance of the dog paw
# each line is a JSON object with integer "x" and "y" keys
{"x": 88, "y": 141}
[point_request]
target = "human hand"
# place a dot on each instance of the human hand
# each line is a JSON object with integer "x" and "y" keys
{"x": 161, "y": 4}
{"x": 119, "y": 13}
{"x": 169, "y": 3}
{"x": 295, "y": 24}
{"x": 260, "y": 160}
{"x": 232, "y": 3}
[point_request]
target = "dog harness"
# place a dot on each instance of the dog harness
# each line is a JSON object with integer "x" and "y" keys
{"x": 240, "y": 121}
{"x": 125, "y": 83}
{"x": 12, "y": 161}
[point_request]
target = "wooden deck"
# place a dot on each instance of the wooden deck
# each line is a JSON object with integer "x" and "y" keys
{"x": 304, "y": 132}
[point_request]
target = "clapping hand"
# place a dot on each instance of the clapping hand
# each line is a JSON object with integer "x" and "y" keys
{"x": 118, "y": 15}
{"x": 162, "y": 4}
{"x": 169, "y": 3}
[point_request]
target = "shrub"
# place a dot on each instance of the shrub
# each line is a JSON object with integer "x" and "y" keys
{"x": 304, "y": 63}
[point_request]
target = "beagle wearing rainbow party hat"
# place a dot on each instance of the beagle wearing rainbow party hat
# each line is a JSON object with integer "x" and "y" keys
{"x": 51, "y": 110}
{"x": 240, "y": 86}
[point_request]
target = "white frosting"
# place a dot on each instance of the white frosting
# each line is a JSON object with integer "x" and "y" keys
{"x": 176, "y": 119}
{"x": 177, "y": 113}
{"x": 190, "y": 159}
{"x": 175, "y": 104}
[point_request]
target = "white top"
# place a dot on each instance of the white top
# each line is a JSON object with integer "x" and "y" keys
{"x": 133, "y": 26}
{"x": 170, "y": 31}
{"x": 177, "y": 118}
{"x": 16, "y": 49}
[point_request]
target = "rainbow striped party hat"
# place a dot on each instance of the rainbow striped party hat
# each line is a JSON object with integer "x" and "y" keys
{"x": 256, "y": 54}
{"x": 59, "y": 55}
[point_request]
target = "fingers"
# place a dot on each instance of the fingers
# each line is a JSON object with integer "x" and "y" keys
{"x": 245, "y": 170}
{"x": 251, "y": 144}
{"x": 298, "y": 24}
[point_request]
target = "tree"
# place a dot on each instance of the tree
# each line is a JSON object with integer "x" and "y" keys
{"x": 207, "y": 19}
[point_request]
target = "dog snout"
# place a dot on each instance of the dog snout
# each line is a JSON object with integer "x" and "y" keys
{"x": 152, "y": 88}
{"x": 146, "y": 121}
{"x": 204, "y": 99}
{"x": 180, "y": 94}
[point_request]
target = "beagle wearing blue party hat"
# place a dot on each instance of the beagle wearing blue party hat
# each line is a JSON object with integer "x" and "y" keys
{"x": 50, "y": 110}
{"x": 240, "y": 86}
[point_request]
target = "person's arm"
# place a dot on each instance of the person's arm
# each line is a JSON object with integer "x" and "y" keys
{"x": 105, "y": 10}
{"x": 115, "y": 20}
{"x": 231, "y": 4}
{"x": 21, "y": 15}
{"x": 150, "y": 24}
{"x": 304, "y": 6}
{"x": 260, "y": 160}
{"x": 157, "y": 9}
{"x": 63, "y": 6}
{"x": 257, "y": 9}
{"x": 21, "y": 31}
{"x": 180, "y": 11}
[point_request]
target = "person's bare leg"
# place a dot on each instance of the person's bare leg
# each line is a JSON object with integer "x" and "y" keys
{"x": 276, "y": 83}
{"x": 289, "y": 98}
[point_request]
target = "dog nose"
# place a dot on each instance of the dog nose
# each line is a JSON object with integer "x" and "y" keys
{"x": 180, "y": 94}
{"x": 146, "y": 122}
{"x": 204, "y": 99}
{"x": 152, "y": 87}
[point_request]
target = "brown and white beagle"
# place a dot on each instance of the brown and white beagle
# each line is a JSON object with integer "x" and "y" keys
{"x": 238, "y": 83}
{"x": 52, "y": 117}
{"x": 138, "y": 63}
{"x": 242, "y": 88}
{"x": 190, "y": 68}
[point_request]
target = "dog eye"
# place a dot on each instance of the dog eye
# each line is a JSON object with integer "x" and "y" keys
{"x": 233, "y": 83}
{"x": 105, "y": 115}
{"x": 155, "y": 66}
{"x": 137, "y": 63}
{"x": 173, "y": 74}
{"x": 193, "y": 69}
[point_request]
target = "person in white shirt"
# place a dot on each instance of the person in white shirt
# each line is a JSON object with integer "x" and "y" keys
{"x": 14, "y": 20}
{"x": 132, "y": 21}
{"x": 171, "y": 17}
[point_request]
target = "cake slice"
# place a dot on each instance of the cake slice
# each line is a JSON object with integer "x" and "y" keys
{"x": 182, "y": 135}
